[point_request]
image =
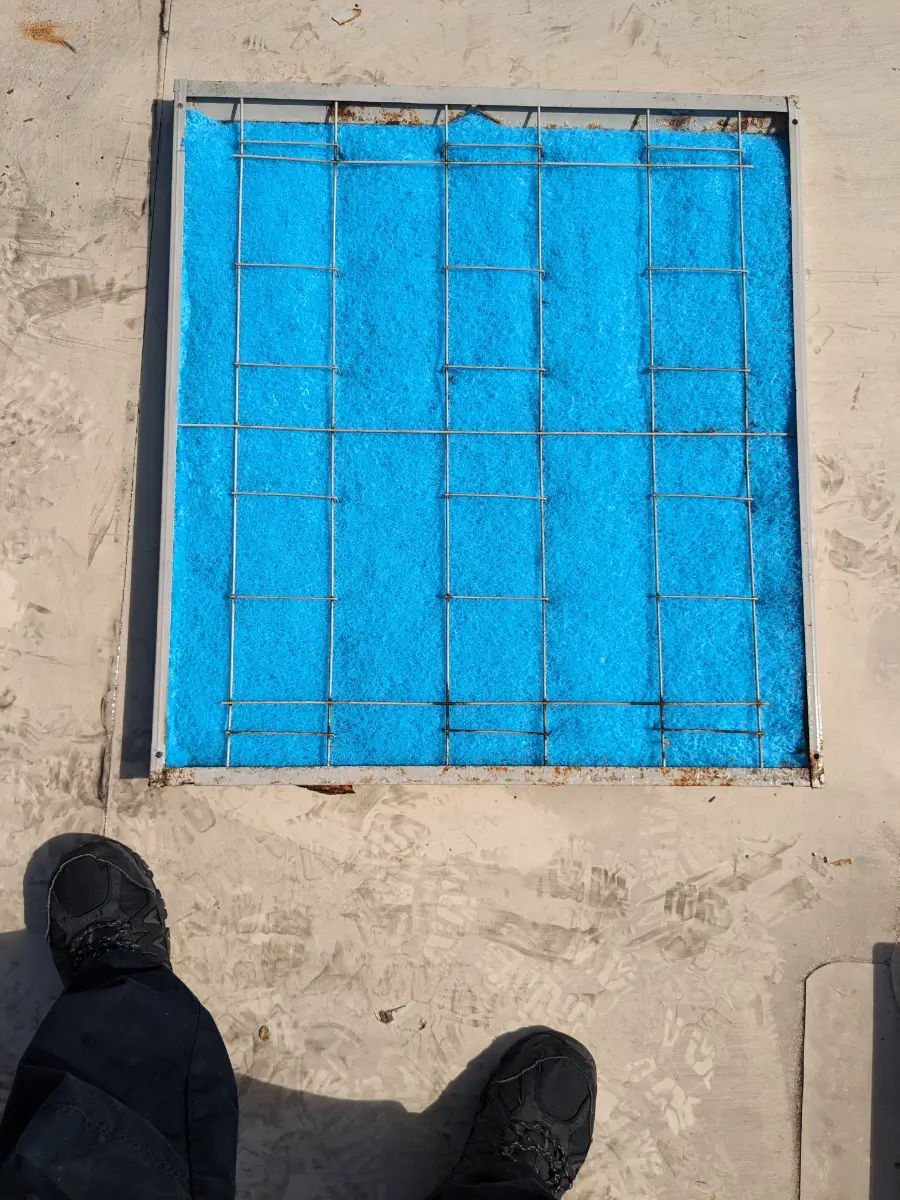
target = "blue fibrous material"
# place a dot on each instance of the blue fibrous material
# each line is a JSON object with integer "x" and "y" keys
{"x": 388, "y": 641}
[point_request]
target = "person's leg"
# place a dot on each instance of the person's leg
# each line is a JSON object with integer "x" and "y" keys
{"x": 534, "y": 1124}
{"x": 126, "y": 1088}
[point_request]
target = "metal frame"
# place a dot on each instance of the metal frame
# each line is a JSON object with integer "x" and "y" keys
{"x": 618, "y": 110}
{"x": 804, "y": 453}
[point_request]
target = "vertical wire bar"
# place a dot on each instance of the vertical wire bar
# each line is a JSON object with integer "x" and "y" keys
{"x": 237, "y": 409}
{"x": 540, "y": 263}
{"x": 746, "y": 377}
{"x": 331, "y": 438}
{"x": 659, "y": 642}
{"x": 447, "y": 591}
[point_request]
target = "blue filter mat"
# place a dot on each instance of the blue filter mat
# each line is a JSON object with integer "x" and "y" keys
{"x": 311, "y": 565}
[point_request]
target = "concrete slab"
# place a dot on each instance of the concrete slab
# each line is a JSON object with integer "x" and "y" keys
{"x": 75, "y": 118}
{"x": 672, "y": 931}
{"x": 851, "y": 1084}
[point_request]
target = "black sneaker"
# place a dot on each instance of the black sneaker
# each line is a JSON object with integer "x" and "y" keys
{"x": 102, "y": 899}
{"x": 536, "y": 1114}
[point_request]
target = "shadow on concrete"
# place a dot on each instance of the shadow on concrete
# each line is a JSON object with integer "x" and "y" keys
{"x": 298, "y": 1144}
{"x": 292, "y": 1144}
{"x": 28, "y": 980}
{"x": 136, "y": 698}
{"x": 884, "y": 1143}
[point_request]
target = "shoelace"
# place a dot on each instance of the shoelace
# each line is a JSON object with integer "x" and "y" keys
{"x": 532, "y": 1137}
{"x": 97, "y": 939}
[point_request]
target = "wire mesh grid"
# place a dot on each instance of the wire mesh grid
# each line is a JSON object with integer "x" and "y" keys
{"x": 539, "y": 433}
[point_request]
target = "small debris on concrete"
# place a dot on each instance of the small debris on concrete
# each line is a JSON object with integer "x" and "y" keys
{"x": 348, "y": 15}
{"x": 386, "y": 1015}
{"x": 263, "y": 1033}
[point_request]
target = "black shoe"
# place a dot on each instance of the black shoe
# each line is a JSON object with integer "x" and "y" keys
{"x": 102, "y": 899}
{"x": 536, "y": 1113}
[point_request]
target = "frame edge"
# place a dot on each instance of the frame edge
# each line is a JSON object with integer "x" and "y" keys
{"x": 167, "y": 508}
{"x": 479, "y": 97}
{"x": 160, "y": 774}
{"x": 804, "y": 464}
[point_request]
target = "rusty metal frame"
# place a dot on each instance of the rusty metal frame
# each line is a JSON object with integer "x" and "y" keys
{"x": 388, "y": 103}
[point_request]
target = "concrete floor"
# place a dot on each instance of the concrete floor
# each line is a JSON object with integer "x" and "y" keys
{"x": 670, "y": 929}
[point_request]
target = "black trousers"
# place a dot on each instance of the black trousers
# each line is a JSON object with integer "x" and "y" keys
{"x": 126, "y": 1090}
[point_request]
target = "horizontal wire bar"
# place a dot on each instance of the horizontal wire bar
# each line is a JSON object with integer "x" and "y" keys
{"x": 292, "y": 366}
{"x": 705, "y": 270}
{"x": 522, "y": 732}
{"x": 557, "y": 162}
{"x": 276, "y": 142}
{"x": 277, "y": 733}
{"x": 245, "y": 596}
{"x": 665, "y": 703}
{"x": 746, "y": 732}
{"x": 492, "y": 146}
{"x": 536, "y": 703}
{"x": 488, "y": 267}
{"x": 302, "y": 158}
{"x": 291, "y": 495}
{"x": 293, "y": 266}
{"x": 671, "y": 596}
{"x": 542, "y": 599}
{"x": 665, "y": 146}
{"x": 739, "y": 433}
{"x": 731, "y": 370}
{"x": 489, "y": 496}
{"x": 485, "y": 367}
{"x": 462, "y": 162}
{"x": 698, "y": 496}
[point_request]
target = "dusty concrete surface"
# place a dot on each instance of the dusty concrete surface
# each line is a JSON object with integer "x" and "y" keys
{"x": 671, "y": 930}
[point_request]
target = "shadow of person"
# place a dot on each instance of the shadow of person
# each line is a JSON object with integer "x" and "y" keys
{"x": 884, "y": 1122}
{"x": 297, "y": 1144}
{"x": 292, "y": 1143}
